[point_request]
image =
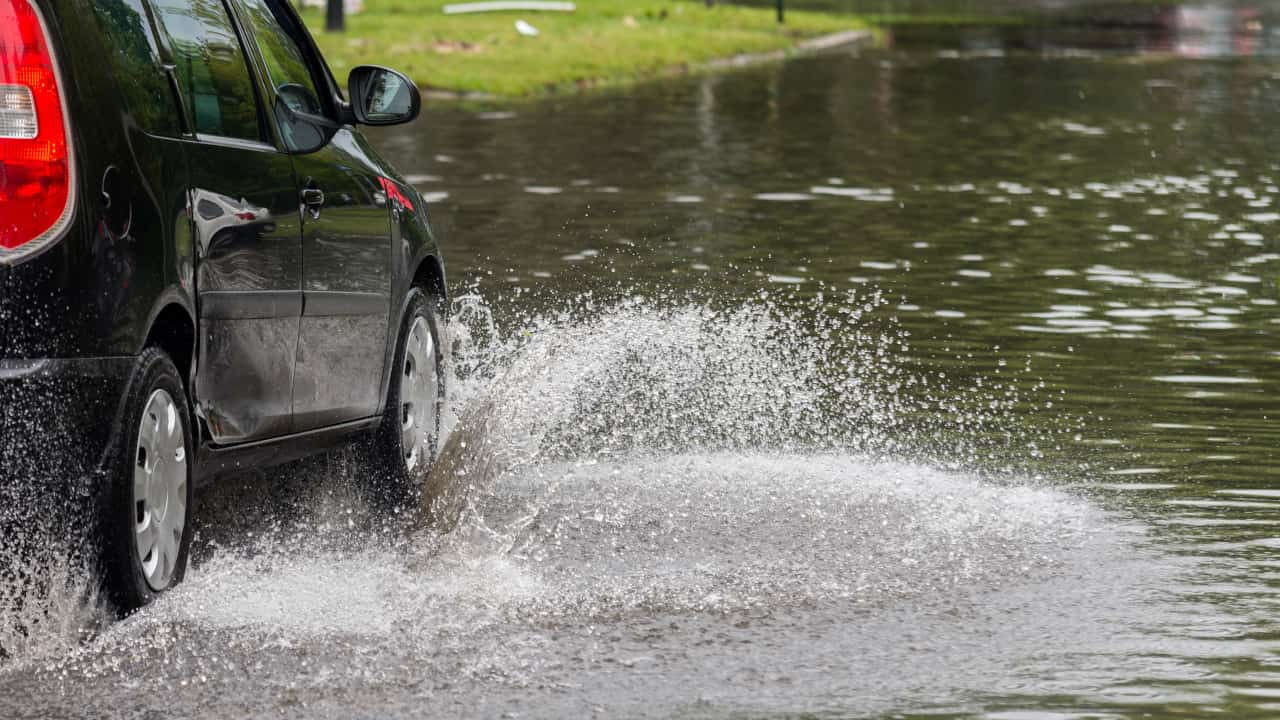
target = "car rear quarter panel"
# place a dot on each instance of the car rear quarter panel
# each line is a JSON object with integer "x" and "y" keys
{"x": 92, "y": 293}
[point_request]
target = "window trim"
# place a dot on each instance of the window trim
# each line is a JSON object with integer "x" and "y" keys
{"x": 164, "y": 55}
{"x": 165, "y": 43}
{"x": 334, "y": 104}
{"x": 169, "y": 66}
{"x": 263, "y": 73}
{"x": 234, "y": 142}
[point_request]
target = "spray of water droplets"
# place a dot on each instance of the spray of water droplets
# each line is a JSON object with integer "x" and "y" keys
{"x": 644, "y": 453}
{"x": 638, "y": 375}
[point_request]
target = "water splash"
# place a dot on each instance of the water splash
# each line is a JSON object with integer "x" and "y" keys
{"x": 568, "y": 575}
{"x": 639, "y": 454}
{"x": 49, "y": 601}
{"x": 782, "y": 374}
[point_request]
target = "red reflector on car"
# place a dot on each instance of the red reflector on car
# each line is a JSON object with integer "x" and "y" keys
{"x": 35, "y": 159}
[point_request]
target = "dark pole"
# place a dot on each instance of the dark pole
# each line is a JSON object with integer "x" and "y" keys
{"x": 333, "y": 20}
{"x": 781, "y": 19}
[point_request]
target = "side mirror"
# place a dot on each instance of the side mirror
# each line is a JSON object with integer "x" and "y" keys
{"x": 298, "y": 117}
{"x": 382, "y": 96}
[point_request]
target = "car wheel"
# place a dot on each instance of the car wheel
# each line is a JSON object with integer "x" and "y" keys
{"x": 147, "y": 514}
{"x": 405, "y": 445}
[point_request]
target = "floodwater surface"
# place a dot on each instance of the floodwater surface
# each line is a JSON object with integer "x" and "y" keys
{"x": 938, "y": 380}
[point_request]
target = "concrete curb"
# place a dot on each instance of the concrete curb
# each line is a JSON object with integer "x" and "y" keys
{"x": 837, "y": 40}
{"x": 822, "y": 43}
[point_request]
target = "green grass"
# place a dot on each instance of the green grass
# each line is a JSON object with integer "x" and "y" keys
{"x": 605, "y": 42}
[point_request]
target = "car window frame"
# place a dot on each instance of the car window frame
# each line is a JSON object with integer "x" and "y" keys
{"x": 318, "y": 80}
{"x": 331, "y": 101}
{"x": 164, "y": 67}
{"x": 165, "y": 44}
{"x": 315, "y": 59}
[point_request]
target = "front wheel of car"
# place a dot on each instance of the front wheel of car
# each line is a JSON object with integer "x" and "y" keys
{"x": 406, "y": 442}
{"x": 146, "y": 524}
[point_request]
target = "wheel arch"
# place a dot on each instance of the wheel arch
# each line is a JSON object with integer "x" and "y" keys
{"x": 429, "y": 277}
{"x": 172, "y": 328}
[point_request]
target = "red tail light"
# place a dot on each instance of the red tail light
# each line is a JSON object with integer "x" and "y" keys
{"x": 35, "y": 158}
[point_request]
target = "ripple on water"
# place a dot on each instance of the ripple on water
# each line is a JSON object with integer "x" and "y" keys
{"x": 1252, "y": 492}
{"x": 1241, "y": 278}
{"x": 1082, "y": 129}
{"x": 1200, "y": 216}
{"x": 785, "y": 279}
{"x": 783, "y": 197}
{"x": 1206, "y": 379}
{"x": 879, "y": 264}
{"x": 863, "y": 194}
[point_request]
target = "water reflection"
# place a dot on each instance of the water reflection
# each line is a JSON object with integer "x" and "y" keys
{"x": 1194, "y": 30}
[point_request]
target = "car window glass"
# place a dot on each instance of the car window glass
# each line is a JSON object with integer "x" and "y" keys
{"x": 211, "y": 67}
{"x": 136, "y": 63}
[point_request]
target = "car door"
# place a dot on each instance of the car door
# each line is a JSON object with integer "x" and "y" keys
{"x": 243, "y": 210}
{"x": 346, "y": 248}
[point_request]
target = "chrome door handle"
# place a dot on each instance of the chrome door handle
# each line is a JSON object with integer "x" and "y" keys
{"x": 313, "y": 199}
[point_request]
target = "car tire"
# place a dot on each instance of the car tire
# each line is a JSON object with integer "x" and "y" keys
{"x": 404, "y": 447}
{"x": 146, "y": 517}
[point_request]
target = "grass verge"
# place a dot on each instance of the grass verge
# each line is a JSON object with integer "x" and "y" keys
{"x": 605, "y": 42}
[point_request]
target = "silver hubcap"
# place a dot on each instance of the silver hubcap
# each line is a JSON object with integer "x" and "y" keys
{"x": 160, "y": 489}
{"x": 418, "y": 389}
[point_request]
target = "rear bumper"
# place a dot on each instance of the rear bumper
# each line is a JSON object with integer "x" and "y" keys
{"x": 58, "y": 418}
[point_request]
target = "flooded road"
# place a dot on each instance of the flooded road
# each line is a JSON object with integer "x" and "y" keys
{"x": 933, "y": 380}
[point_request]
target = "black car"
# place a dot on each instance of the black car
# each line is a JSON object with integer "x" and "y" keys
{"x": 204, "y": 267}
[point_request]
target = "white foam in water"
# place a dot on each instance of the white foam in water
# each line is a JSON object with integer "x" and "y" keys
{"x": 676, "y": 533}
{"x": 670, "y": 564}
